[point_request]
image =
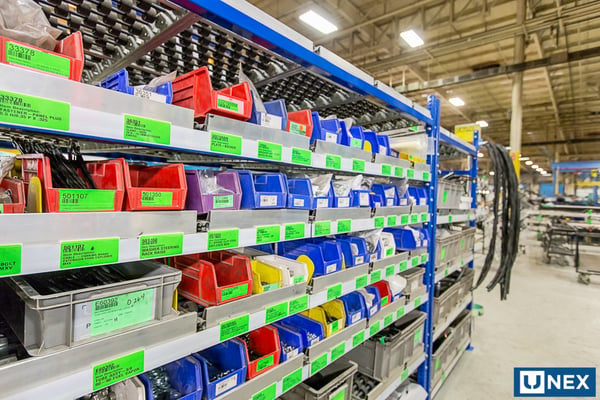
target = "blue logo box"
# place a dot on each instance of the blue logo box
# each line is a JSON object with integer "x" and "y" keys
{"x": 555, "y": 382}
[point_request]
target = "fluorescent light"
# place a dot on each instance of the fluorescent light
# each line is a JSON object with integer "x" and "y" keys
{"x": 492, "y": 173}
{"x": 535, "y": 166}
{"x": 539, "y": 169}
{"x": 318, "y": 22}
{"x": 411, "y": 38}
{"x": 507, "y": 147}
{"x": 523, "y": 158}
{"x": 528, "y": 162}
{"x": 482, "y": 124}
{"x": 479, "y": 155}
{"x": 456, "y": 101}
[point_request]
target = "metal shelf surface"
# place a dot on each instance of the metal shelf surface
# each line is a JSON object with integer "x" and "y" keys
{"x": 456, "y": 216}
{"x": 445, "y": 374}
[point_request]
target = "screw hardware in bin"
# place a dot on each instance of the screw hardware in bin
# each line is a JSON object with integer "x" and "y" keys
{"x": 224, "y": 367}
{"x": 291, "y": 342}
{"x": 355, "y": 307}
{"x": 177, "y": 380}
{"x": 331, "y": 315}
{"x": 263, "y": 350}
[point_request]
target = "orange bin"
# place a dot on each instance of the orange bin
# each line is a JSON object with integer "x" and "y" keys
{"x": 300, "y": 123}
{"x": 17, "y": 192}
{"x": 65, "y": 61}
{"x": 194, "y": 90}
{"x": 214, "y": 278}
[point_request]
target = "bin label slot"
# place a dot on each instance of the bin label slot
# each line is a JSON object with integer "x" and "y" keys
{"x": 334, "y": 292}
{"x": 344, "y": 225}
{"x": 362, "y": 281}
{"x": 399, "y": 172}
{"x": 268, "y": 393}
{"x": 157, "y": 199}
{"x": 301, "y": 156}
{"x": 234, "y": 327}
{"x": 292, "y": 380}
{"x": 83, "y": 253}
{"x": 10, "y": 259}
{"x": 389, "y": 270}
{"x": 358, "y": 165}
{"x": 223, "y": 239}
{"x": 34, "y": 111}
{"x": 373, "y": 329}
{"x": 298, "y": 304}
{"x": 86, "y": 200}
{"x": 30, "y": 57}
{"x": 338, "y": 351}
{"x": 298, "y": 129}
{"x": 322, "y": 228}
{"x": 276, "y": 312}
{"x": 318, "y": 364}
{"x": 269, "y": 151}
{"x": 146, "y": 130}
{"x": 410, "y": 173}
{"x": 356, "y": 143}
{"x": 225, "y": 143}
{"x": 226, "y": 384}
{"x": 114, "y": 371}
{"x": 333, "y": 161}
{"x": 379, "y": 222}
{"x": 339, "y": 395}
{"x": 268, "y": 234}
{"x": 388, "y": 319}
{"x": 386, "y": 169}
{"x": 375, "y": 276}
{"x": 295, "y": 231}
{"x": 403, "y": 265}
{"x": 400, "y": 312}
{"x": 391, "y": 220}
{"x": 404, "y": 219}
{"x": 358, "y": 338}
{"x": 164, "y": 245}
{"x": 425, "y": 175}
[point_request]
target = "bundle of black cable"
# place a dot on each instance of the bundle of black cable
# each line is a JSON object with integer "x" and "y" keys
{"x": 65, "y": 171}
{"x": 506, "y": 190}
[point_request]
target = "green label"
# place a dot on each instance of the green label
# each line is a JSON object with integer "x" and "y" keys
{"x": 301, "y": 156}
{"x": 358, "y": 165}
{"x": 443, "y": 255}
{"x": 423, "y": 258}
{"x": 388, "y": 319}
{"x": 379, "y": 222}
{"x": 384, "y": 301}
{"x": 414, "y": 261}
{"x": 341, "y": 395}
{"x": 399, "y": 172}
{"x": 227, "y": 105}
{"x": 37, "y": 59}
{"x": 298, "y": 279}
{"x": 298, "y": 304}
{"x": 403, "y": 265}
{"x": 333, "y": 292}
{"x": 386, "y": 169}
{"x": 391, "y": 220}
{"x": 1, "y": 208}
{"x": 449, "y": 218}
{"x": 443, "y": 376}
{"x": 404, "y": 375}
{"x": 375, "y": 276}
{"x": 444, "y": 196}
{"x": 225, "y": 143}
{"x": 400, "y": 312}
{"x": 268, "y": 234}
{"x": 358, "y": 338}
{"x": 417, "y": 337}
{"x": 318, "y": 364}
{"x": 114, "y": 371}
{"x": 462, "y": 244}
{"x": 373, "y": 329}
{"x": 294, "y": 231}
{"x": 333, "y": 162}
{"x": 116, "y": 312}
{"x": 34, "y": 111}
{"x": 269, "y": 151}
{"x": 344, "y": 225}
{"x": 146, "y": 130}
{"x": 224, "y": 239}
{"x": 338, "y": 351}
{"x": 404, "y": 219}
{"x": 335, "y": 326}
{"x": 268, "y": 393}
{"x": 83, "y": 253}
{"x": 356, "y": 143}
{"x": 223, "y": 201}
{"x": 414, "y": 218}
{"x": 410, "y": 173}
{"x": 157, "y": 199}
{"x": 425, "y": 176}
{"x": 389, "y": 251}
{"x": 417, "y": 302}
{"x": 264, "y": 363}
{"x": 10, "y": 259}
{"x": 424, "y": 217}
{"x": 292, "y": 380}
{"x": 276, "y": 312}
{"x": 437, "y": 364}
{"x": 446, "y": 272}
{"x": 234, "y": 327}
{"x": 229, "y": 293}
{"x": 298, "y": 129}
{"x": 322, "y": 228}
{"x": 86, "y": 200}
{"x": 362, "y": 281}
{"x": 389, "y": 270}
{"x": 271, "y": 286}
{"x": 165, "y": 245}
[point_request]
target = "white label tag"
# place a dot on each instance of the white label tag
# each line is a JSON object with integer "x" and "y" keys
{"x": 322, "y": 203}
{"x": 343, "y": 202}
{"x": 270, "y": 121}
{"x": 383, "y": 149}
{"x": 226, "y": 385}
{"x": 425, "y": 243}
{"x": 373, "y": 257}
{"x": 314, "y": 341}
{"x": 229, "y": 104}
{"x": 372, "y": 310}
{"x": 389, "y": 202}
{"x": 364, "y": 199}
{"x": 298, "y": 202}
{"x": 266, "y": 201}
{"x": 146, "y": 94}
{"x": 355, "y": 317}
{"x": 330, "y": 268}
{"x": 403, "y": 202}
{"x": 331, "y": 137}
{"x": 360, "y": 259}
{"x": 390, "y": 192}
{"x": 292, "y": 353}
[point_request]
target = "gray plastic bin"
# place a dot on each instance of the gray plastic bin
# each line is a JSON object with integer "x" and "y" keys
{"x": 332, "y": 382}
{"x": 52, "y": 322}
{"x": 414, "y": 282}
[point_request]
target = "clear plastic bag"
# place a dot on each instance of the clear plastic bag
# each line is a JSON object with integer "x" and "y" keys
{"x": 24, "y": 21}
{"x": 371, "y": 237}
{"x": 208, "y": 181}
{"x": 402, "y": 186}
{"x": 343, "y": 184}
{"x": 258, "y": 103}
{"x": 7, "y": 163}
{"x": 320, "y": 184}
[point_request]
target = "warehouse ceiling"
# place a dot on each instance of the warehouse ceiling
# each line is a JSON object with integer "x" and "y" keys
{"x": 472, "y": 43}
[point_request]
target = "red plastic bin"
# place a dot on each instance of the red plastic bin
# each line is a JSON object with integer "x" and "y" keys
{"x": 265, "y": 342}
{"x": 194, "y": 90}
{"x": 300, "y": 122}
{"x": 155, "y": 187}
{"x": 65, "y": 61}
{"x": 17, "y": 192}
{"x": 214, "y": 278}
{"x": 385, "y": 293}
{"x": 107, "y": 197}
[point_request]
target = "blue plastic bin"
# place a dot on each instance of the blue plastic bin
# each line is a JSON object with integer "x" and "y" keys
{"x": 394, "y": 153}
{"x": 373, "y": 307}
{"x": 371, "y": 137}
{"x": 310, "y": 330}
{"x": 289, "y": 338}
{"x": 424, "y": 237}
{"x": 355, "y": 307}
{"x": 266, "y": 248}
{"x": 326, "y": 256}
{"x": 387, "y": 192}
{"x": 328, "y": 130}
{"x": 184, "y": 376}
{"x": 404, "y": 238}
{"x": 301, "y": 195}
{"x": 275, "y": 108}
{"x": 384, "y": 145}
{"x": 119, "y": 81}
{"x": 404, "y": 199}
{"x": 263, "y": 190}
{"x": 360, "y": 248}
{"x": 360, "y": 198}
{"x": 355, "y": 137}
{"x": 419, "y": 194}
{"x": 226, "y": 356}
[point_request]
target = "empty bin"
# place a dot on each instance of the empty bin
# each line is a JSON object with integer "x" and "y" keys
{"x": 275, "y": 116}
{"x": 311, "y": 331}
{"x": 263, "y": 190}
{"x": 119, "y": 82}
{"x": 224, "y": 367}
{"x": 355, "y": 307}
{"x": 333, "y": 382}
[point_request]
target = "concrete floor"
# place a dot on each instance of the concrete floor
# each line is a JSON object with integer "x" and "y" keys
{"x": 549, "y": 320}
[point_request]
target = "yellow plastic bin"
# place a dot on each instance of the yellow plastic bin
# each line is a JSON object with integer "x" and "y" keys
{"x": 293, "y": 272}
{"x": 331, "y": 315}
{"x": 265, "y": 277}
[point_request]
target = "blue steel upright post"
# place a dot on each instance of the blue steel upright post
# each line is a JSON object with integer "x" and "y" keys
{"x": 433, "y": 134}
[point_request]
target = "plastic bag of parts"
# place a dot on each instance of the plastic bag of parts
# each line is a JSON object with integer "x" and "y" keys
{"x": 208, "y": 181}
{"x": 260, "y": 107}
{"x": 414, "y": 145}
{"x": 320, "y": 184}
{"x": 154, "y": 84}
{"x": 402, "y": 186}
{"x": 343, "y": 184}
{"x": 372, "y": 238}
{"x": 24, "y": 21}
{"x": 366, "y": 182}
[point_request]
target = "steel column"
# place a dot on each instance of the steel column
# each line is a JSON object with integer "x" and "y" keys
{"x": 516, "y": 119}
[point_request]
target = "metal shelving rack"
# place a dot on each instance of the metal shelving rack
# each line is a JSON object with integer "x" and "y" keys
{"x": 96, "y": 118}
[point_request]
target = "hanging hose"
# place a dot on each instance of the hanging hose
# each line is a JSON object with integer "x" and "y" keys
{"x": 506, "y": 196}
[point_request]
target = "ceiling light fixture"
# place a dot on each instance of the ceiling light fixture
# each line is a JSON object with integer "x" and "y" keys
{"x": 482, "y": 124}
{"x": 479, "y": 155}
{"x": 318, "y": 22}
{"x": 492, "y": 173}
{"x": 523, "y": 158}
{"x": 412, "y": 39}
{"x": 456, "y": 101}
{"x": 528, "y": 162}
{"x": 535, "y": 166}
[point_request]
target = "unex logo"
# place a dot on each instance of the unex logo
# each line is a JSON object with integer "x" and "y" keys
{"x": 555, "y": 382}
